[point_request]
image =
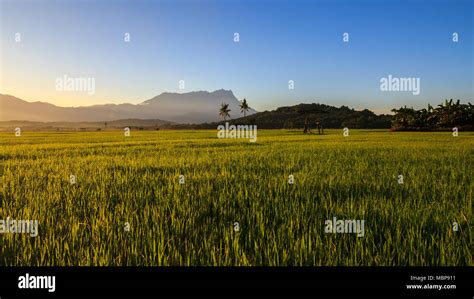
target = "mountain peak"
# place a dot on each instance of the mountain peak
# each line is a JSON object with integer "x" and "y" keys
{"x": 223, "y": 91}
{"x": 202, "y": 92}
{"x": 216, "y": 95}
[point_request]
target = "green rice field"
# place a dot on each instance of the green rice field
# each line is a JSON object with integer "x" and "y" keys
{"x": 233, "y": 204}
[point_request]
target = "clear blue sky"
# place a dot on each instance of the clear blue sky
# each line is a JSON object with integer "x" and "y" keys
{"x": 279, "y": 41}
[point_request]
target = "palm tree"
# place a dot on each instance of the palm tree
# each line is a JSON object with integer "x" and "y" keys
{"x": 404, "y": 117}
{"x": 244, "y": 107}
{"x": 468, "y": 114}
{"x": 432, "y": 117}
{"x": 457, "y": 112}
{"x": 444, "y": 113}
{"x": 224, "y": 111}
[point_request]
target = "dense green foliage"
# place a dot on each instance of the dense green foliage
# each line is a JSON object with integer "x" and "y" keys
{"x": 448, "y": 115}
{"x": 136, "y": 179}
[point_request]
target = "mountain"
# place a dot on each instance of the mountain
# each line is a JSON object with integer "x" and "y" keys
{"x": 192, "y": 107}
{"x": 293, "y": 117}
{"x": 195, "y": 107}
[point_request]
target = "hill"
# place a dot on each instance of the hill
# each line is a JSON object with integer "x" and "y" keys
{"x": 293, "y": 117}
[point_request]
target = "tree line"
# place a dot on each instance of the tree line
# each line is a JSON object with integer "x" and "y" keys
{"x": 446, "y": 115}
{"x": 449, "y": 114}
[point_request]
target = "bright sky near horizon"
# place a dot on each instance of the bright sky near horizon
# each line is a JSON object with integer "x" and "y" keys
{"x": 279, "y": 41}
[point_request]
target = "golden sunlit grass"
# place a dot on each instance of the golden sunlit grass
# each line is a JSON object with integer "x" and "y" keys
{"x": 135, "y": 180}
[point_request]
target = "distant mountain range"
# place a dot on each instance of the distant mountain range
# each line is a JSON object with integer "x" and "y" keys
{"x": 193, "y": 110}
{"x": 192, "y": 107}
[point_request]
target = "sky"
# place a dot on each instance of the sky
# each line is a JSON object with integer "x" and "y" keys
{"x": 279, "y": 41}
